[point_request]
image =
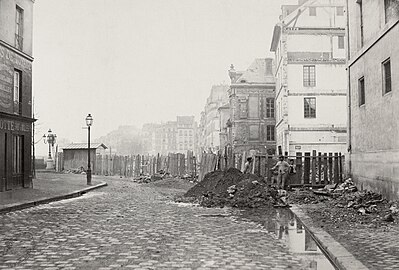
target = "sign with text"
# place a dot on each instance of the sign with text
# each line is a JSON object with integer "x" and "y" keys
{"x": 13, "y": 125}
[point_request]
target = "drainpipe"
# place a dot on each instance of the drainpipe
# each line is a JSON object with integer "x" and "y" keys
{"x": 349, "y": 128}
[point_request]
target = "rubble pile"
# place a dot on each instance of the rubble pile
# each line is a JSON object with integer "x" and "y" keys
{"x": 345, "y": 203}
{"x": 232, "y": 188}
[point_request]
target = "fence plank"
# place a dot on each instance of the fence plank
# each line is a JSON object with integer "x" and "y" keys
{"x": 306, "y": 172}
{"x": 336, "y": 168}
{"x": 314, "y": 167}
{"x": 330, "y": 168}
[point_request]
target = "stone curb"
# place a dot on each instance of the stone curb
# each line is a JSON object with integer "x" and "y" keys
{"x": 27, "y": 204}
{"x": 336, "y": 253}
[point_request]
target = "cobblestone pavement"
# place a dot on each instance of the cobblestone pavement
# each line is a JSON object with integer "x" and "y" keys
{"x": 132, "y": 226}
{"x": 376, "y": 247}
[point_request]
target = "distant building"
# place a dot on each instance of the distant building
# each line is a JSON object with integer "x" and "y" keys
{"x": 211, "y": 122}
{"x": 186, "y": 134}
{"x": 251, "y": 103}
{"x": 15, "y": 93}
{"x": 311, "y": 83}
{"x": 75, "y": 155}
{"x": 373, "y": 69}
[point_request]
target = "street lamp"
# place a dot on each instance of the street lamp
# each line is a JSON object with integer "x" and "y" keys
{"x": 50, "y": 140}
{"x": 89, "y": 122}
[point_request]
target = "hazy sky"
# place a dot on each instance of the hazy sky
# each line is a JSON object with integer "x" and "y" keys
{"x": 129, "y": 62}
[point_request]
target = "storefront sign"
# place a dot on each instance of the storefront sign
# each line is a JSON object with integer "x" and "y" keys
{"x": 9, "y": 61}
{"x": 12, "y": 125}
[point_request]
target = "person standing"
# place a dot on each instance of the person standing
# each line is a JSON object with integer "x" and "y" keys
{"x": 283, "y": 169}
{"x": 247, "y": 165}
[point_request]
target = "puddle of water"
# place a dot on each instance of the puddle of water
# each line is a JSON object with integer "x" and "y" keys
{"x": 283, "y": 225}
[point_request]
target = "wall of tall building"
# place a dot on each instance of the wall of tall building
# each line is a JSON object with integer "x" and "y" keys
{"x": 15, "y": 93}
{"x": 309, "y": 46}
{"x": 374, "y": 112}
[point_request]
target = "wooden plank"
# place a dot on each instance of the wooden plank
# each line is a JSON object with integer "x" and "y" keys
{"x": 325, "y": 169}
{"x": 319, "y": 167}
{"x": 306, "y": 172}
{"x": 330, "y": 168}
{"x": 340, "y": 164}
{"x": 336, "y": 168}
{"x": 298, "y": 166}
{"x": 314, "y": 153}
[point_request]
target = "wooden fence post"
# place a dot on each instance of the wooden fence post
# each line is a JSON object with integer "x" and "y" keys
{"x": 330, "y": 168}
{"x": 314, "y": 153}
{"x": 325, "y": 167}
{"x": 319, "y": 165}
{"x": 336, "y": 168}
{"x": 340, "y": 168}
{"x": 298, "y": 167}
{"x": 306, "y": 173}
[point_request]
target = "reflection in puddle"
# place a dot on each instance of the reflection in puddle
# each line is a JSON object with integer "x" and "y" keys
{"x": 283, "y": 225}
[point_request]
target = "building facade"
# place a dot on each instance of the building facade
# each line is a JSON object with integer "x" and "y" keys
{"x": 186, "y": 134}
{"x": 373, "y": 118}
{"x": 252, "y": 108}
{"x": 311, "y": 83}
{"x": 160, "y": 138}
{"x": 15, "y": 94}
{"x": 211, "y": 122}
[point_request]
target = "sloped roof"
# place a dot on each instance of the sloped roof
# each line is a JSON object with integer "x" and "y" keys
{"x": 259, "y": 72}
{"x": 77, "y": 146}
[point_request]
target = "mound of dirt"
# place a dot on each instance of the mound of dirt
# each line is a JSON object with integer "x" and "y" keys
{"x": 232, "y": 188}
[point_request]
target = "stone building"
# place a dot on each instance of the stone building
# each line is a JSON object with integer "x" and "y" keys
{"x": 311, "y": 83}
{"x": 15, "y": 93}
{"x": 186, "y": 134}
{"x": 373, "y": 96}
{"x": 251, "y": 103}
{"x": 160, "y": 138}
{"x": 211, "y": 122}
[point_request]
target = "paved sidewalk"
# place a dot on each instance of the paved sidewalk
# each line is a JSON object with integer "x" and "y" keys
{"x": 46, "y": 188}
{"x": 375, "y": 247}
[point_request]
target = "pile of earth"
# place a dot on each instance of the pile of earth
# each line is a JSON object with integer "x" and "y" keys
{"x": 231, "y": 188}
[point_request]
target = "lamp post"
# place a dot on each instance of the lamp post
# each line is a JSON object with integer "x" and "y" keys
{"x": 50, "y": 140}
{"x": 89, "y": 122}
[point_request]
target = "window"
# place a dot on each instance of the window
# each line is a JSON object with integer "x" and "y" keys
{"x": 17, "y": 91}
{"x": 340, "y": 11}
{"x": 19, "y": 27}
{"x": 386, "y": 76}
{"x": 312, "y": 11}
{"x": 270, "y": 108}
{"x": 243, "y": 107}
{"x": 270, "y": 133}
{"x": 309, "y": 107}
{"x": 18, "y": 154}
{"x": 391, "y": 9}
{"x": 309, "y": 76}
{"x": 362, "y": 94}
{"x": 341, "y": 42}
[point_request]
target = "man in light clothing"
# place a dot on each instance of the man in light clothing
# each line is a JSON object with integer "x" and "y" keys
{"x": 283, "y": 169}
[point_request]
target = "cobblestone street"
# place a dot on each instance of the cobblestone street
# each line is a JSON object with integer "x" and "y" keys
{"x": 127, "y": 225}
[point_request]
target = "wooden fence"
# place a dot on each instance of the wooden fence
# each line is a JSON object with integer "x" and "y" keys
{"x": 176, "y": 164}
{"x": 308, "y": 169}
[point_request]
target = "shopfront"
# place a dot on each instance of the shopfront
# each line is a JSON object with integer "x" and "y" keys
{"x": 15, "y": 118}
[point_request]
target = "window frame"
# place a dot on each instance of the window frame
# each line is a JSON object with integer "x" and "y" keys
{"x": 17, "y": 91}
{"x": 270, "y": 108}
{"x": 385, "y": 82}
{"x": 307, "y": 112}
{"x": 19, "y": 28}
{"x": 361, "y": 91}
{"x": 308, "y": 81}
{"x": 270, "y": 133}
